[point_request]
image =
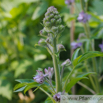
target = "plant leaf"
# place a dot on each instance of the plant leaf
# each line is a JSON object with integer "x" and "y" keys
{"x": 25, "y": 80}
{"x": 40, "y": 10}
{"x": 21, "y": 89}
{"x": 75, "y": 54}
{"x": 86, "y": 56}
{"x": 75, "y": 80}
{"x": 30, "y": 85}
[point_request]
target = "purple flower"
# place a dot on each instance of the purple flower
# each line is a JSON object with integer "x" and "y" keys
{"x": 39, "y": 78}
{"x": 69, "y": 2}
{"x": 57, "y": 97}
{"x": 83, "y": 17}
{"x": 75, "y": 45}
{"x": 101, "y": 46}
{"x": 49, "y": 72}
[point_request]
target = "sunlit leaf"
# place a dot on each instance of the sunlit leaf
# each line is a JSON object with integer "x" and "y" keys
{"x": 40, "y": 10}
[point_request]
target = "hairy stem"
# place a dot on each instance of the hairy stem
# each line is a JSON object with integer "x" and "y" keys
{"x": 56, "y": 67}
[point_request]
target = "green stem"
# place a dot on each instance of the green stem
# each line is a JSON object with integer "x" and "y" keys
{"x": 47, "y": 94}
{"x": 56, "y": 67}
{"x": 51, "y": 85}
{"x": 82, "y": 4}
{"x": 100, "y": 65}
{"x": 68, "y": 78}
{"x": 90, "y": 77}
{"x": 86, "y": 87}
{"x": 87, "y": 31}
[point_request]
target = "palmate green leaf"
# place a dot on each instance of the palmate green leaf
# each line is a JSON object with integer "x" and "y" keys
{"x": 75, "y": 54}
{"x": 75, "y": 80}
{"x": 86, "y": 56}
{"x": 40, "y": 10}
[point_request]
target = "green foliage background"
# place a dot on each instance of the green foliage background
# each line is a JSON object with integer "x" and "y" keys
{"x": 20, "y": 23}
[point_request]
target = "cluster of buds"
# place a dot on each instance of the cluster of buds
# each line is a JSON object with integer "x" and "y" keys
{"x": 52, "y": 22}
{"x": 40, "y": 77}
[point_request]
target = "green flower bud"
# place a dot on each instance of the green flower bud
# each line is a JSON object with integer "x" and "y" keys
{"x": 66, "y": 63}
{"x": 47, "y": 24}
{"x": 48, "y": 40}
{"x": 47, "y": 18}
{"x": 42, "y": 42}
{"x": 54, "y": 29}
{"x": 51, "y": 15}
{"x": 56, "y": 12}
{"x": 58, "y": 22}
{"x": 56, "y": 17}
{"x": 43, "y": 32}
{"x": 60, "y": 48}
{"x": 47, "y": 14}
{"x": 53, "y": 21}
{"x": 44, "y": 21}
{"x": 61, "y": 28}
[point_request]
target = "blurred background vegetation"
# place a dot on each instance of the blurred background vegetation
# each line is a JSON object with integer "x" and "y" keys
{"x": 20, "y": 23}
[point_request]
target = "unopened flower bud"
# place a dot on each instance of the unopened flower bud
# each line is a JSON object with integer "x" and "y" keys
{"x": 66, "y": 63}
{"x": 43, "y": 32}
{"x": 54, "y": 29}
{"x": 47, "y": 18}
{"x": 56, "y": 17}
{"x": 42, "y": 42}
{"x": 53, "y": 21}
{"x": 60, "y": 47}
{"x": 58, "y": 22}
{"x": 81, "y": 36}
{"x": 47, "y": 14}
{"x": 48, "y": 40}
{"x": 61, "y": 28}
{"x": 51, "y": 15}
{"x": 47, "y": 24}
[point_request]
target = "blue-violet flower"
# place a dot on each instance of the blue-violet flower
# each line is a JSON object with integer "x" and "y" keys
{"x": 83, "y": 17}
{"x": 101, "y": 46}
{"x": 75, "y": 45}
{"x": 57, "y": 97}
{"x": 39, "y": 78}
{"x": 69, "y": 2}
{"x": 49, "y": 72}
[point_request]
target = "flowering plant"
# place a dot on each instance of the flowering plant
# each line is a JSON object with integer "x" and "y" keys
{"x": 61, "y": 85}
